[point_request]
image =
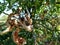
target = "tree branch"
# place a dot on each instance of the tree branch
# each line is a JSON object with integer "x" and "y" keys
{"x": 8, "y": 29}
{"x": 5, "y": 13}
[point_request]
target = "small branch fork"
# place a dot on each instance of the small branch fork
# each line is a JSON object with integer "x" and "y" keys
{"x": 23, "y": 22}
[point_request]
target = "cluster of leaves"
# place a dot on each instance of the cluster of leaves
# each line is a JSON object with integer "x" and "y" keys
{"x": 46, "y": 23}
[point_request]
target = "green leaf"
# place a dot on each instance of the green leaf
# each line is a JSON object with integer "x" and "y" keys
{"x": 52, "y": 1}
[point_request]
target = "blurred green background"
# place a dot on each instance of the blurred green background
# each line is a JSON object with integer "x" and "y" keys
{"x": 46, "y": 21}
